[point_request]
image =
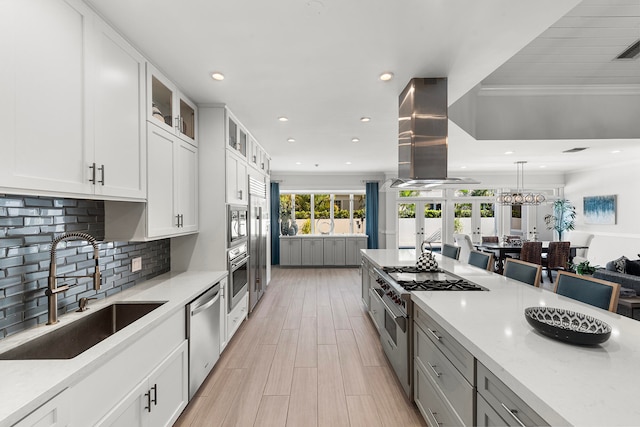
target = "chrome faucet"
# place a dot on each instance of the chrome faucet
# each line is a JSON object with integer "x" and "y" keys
{"x": 53, "y": 290}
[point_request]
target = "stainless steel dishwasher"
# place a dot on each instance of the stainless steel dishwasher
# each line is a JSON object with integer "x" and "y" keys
{"x": 203, "y": 332}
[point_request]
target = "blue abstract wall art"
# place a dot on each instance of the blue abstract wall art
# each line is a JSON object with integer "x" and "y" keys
{"x": 600, "y": 209}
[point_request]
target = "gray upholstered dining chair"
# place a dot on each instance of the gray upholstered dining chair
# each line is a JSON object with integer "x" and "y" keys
{"x": 599, "y": 293}
{"x": 481, "y": 259}
{"x": 451, "y": 251}
{"x": 523, "y": 271}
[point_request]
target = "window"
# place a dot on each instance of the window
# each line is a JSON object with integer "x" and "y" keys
{"x": 322, "y": 213}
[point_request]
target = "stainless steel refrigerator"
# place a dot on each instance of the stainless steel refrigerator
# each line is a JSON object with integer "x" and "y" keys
{"x": 258, "y": 232}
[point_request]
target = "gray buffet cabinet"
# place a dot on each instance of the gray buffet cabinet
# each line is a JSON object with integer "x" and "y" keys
{"x": 316, "y": 250}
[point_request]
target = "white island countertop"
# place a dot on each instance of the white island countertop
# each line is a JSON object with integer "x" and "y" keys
{"x": 27, "y": 384}
{"x": 565, "y": 384}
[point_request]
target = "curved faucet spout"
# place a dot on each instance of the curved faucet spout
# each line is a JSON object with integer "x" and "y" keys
{"x": 53, "y": 290}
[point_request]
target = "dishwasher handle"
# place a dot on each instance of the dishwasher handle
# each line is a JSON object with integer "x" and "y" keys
{"x": 201, "y": 306}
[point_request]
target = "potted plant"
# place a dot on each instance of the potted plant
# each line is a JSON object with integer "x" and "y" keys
{"x": 563, "y": 217}
{"x": 584, "y": 268}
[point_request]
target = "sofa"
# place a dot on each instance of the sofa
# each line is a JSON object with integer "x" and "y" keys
{"x": 624, "y": 271}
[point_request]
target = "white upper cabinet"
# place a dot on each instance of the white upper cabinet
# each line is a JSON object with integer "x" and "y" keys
{"x": 170, "y": 109}
{"x": 120, "y": 143}
{"x": 72, "y": 103}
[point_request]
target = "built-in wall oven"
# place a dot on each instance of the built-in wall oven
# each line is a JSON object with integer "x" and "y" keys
{"x": 236, "y": 225}
{"x": 238, "y": 274}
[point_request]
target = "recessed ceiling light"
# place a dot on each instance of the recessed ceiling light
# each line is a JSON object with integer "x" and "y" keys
{"x": 508, "y": 152}
{"x": 365, "y": 119}
{"x": 615, "y": 151}
{"x": 283, "y": 119}
{"x": 291, "y": 140}
{"x": 298, "y": 163}
{"x": 347, "y": 163}
{"x": 463, "y": 167}
{"x": 386, "y": 76}
{"x": 543, "y": 166}
{"x": 355, "y": 139}
{"x": 216, "y": 75}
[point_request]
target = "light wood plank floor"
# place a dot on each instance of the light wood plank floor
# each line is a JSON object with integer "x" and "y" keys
{"x": 307, "y": 356}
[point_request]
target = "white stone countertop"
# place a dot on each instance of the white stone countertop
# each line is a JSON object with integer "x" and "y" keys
{"x": 565, "y": 384}
{"x": 27, "y": 384}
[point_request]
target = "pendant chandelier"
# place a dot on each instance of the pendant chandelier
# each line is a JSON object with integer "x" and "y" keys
{"x": 520, "y": 197}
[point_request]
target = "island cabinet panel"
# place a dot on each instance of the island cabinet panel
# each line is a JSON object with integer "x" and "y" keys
{"x": 511, "y": 410}
{"x": 452, "y": 349}
{"x": 442, "y": 392}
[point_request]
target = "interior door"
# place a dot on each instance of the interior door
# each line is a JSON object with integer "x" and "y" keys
{"x": 476, "y": 218}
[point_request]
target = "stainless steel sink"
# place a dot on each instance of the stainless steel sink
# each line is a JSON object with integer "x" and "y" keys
{"x": 69, "y": 341}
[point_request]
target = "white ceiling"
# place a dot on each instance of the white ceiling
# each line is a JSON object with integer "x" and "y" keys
{"x": 318, "y": 61}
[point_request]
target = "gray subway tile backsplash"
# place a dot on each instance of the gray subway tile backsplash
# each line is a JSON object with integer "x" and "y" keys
{"x": 29, "y": 224}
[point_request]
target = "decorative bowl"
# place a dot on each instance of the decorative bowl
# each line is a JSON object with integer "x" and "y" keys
{"x": 568, "y": 326}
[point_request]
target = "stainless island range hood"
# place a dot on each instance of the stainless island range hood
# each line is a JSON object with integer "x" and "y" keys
{"x": 423, "y": 127}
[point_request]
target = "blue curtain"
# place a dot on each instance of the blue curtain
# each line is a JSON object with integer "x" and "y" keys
{"x": 275, "y": 224}
{"x": 371, "y": 213}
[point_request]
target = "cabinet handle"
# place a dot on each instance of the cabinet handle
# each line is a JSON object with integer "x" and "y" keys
{"x": 433, "y": 415}
{"x": 177, "y": 123}
{"x": 255, "y": 159}
{"x": 101, "y": 169}
{"x": 155, "y": 395}
{"x": 513, "y": 414}
{"x": 240, "y": 194}
{"x": 262, "y": 166}
{"x": 178, "y": 220}
{"x": 93, "y": 174}
{"x": 433, "y": 368}
{"x": 148, "y": 395}
{"x": 435, "y": 335}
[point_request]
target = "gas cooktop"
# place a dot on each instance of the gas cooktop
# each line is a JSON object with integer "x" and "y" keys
{"x": 411, "y": 279}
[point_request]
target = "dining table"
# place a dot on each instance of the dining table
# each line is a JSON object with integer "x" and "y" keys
{"x": 501, "y": 250}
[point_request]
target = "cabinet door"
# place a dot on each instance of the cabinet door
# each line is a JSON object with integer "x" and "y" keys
{"x": 296, "y": 251}
{"x": 131, "y": 410}
{"x": 236, "y": 179}
{"x": 120, "y": 148}
{"x": 285, "y": 252}
{"x": 43, "y": 92}
{"x": 353, "y": 250}
{"x": 188, "y": 120}
{"x": 317, "y": 249}
{"x": 160, "y": 100}
{"x": 187, "y": 186}
{"x": 168, "y": 386}
{"x": 307, "y": 251}
{"x": 54, "y": 413}
{"x": 161, "y": 214}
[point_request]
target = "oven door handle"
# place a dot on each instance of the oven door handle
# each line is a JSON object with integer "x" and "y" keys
{"x": 400, "y": 320}
{"x": 235, "y": 265}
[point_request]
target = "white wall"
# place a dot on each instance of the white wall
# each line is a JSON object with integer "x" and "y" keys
{"x": 610, "y": 241}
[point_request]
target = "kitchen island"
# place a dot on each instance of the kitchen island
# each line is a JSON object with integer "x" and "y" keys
{"x": 562, "y": 383}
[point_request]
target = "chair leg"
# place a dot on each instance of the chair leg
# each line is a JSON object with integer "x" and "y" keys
{"x": 549, "y": 275}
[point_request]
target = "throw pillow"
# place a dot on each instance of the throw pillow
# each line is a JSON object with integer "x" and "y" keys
{"x": 632, "y": 267}
{"x": 619, "y": 263}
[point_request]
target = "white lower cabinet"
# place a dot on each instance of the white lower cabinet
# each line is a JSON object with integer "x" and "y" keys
{"x": 159, "y": 399}
{"x": 55, "y": 413}
{"x": 237, "y": 315}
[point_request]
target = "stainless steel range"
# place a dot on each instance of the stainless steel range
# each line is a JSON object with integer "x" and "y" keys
{"x": 391, "y": 310}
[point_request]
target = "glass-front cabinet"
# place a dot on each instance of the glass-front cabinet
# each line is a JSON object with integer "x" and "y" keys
{"x": 170, "y": 109}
